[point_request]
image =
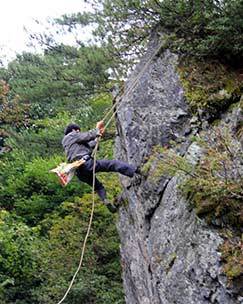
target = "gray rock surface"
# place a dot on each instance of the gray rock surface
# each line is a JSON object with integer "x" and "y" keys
{"x": 168, "y": 255}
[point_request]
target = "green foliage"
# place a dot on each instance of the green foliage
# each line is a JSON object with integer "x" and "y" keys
{"x": 195, "y": 28}
{"x": 62, "y": 78}
{"x": 12, "y": 112}
{"x": 214, "y": 184}
{"x": 38, "y": 270}
{"x": 210, "y": 86}
{"x": 205, "y": 28}
{"x": 232, "y": 255}
{"x": 95, "y": 111}
{"x": 99, "y": 279}
{"x": 58, "y": 217}
{"x": 19, "y": 263}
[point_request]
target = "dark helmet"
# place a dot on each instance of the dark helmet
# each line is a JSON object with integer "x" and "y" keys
{"x": 70, "y": 127}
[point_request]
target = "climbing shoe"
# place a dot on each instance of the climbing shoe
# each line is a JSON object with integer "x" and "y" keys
{"x": 111, "y": 207}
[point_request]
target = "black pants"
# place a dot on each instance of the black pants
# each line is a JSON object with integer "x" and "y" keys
{"x": 85, "y": 172}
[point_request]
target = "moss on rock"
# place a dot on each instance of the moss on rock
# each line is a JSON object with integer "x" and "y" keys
{"x": 232, "y": 256}
{"x": 209, "y": 86}
{"x": 215, "y": 185}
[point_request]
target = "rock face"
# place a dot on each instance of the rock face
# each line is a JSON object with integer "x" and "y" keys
{"x": 168, "y": 255}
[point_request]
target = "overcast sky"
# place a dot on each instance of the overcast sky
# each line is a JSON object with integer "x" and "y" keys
{"x": 15, "y": 14}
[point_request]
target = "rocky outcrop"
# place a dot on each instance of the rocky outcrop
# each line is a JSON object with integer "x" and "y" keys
{"x": 168, "y": 254}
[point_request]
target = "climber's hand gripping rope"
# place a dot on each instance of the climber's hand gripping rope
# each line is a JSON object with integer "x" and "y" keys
{"x": 101, "y": 126}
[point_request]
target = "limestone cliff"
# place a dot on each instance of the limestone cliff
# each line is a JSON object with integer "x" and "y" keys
{"x": 168, "y": 254}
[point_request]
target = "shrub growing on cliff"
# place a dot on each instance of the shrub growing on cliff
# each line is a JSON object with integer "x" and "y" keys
{"x": 218, "y": 179}
{"x": 210, "y": 86}
{"x": 232, "y": 255}
{"x": 214, "y": 184}
{"x": 215, "y": 181}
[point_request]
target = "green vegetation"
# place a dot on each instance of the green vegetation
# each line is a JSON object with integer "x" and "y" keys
{"x": 205, "y": 28}
{"x": 214, "y": 185}
{"x": 210, "y": 86}
{"x": 60, "y": 80}
{"x": 19, "y": 263}
{"x": 99, "y": 280}
{"x": 211, "y": 29}
{"x": 232, "y": 255}
{"x": 41, "y": 224}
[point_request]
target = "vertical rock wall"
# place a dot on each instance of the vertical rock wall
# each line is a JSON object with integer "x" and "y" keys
{"x": 168, "y": 255}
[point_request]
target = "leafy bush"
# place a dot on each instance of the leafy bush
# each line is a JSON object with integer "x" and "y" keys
{"x": 213, "y": 184}
{"x": 210, "y": 86}
{"x": 99, "y": 280}
{"x": 194, "y": 28}
{"x": 20, "y": 247}
{"x": 35, "y": 192}
{"x": 232, "y": 255}
{"x": 61, "y": 79}
{"x": 205, "y": 28}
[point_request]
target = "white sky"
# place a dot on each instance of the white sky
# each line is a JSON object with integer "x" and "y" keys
{"x": 15, "y": 14}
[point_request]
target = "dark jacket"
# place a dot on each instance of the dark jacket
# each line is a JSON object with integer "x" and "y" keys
{"x": 78, "y": 144}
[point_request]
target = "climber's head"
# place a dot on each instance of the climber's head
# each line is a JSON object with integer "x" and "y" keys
{"x": 71, "y": 127}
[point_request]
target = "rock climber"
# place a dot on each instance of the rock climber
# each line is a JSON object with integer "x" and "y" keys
{"x": 79, "y": 145}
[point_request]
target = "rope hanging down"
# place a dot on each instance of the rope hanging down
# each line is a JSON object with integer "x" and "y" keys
{"x": 114, "y": 109}
{"x": 89, "y": 226}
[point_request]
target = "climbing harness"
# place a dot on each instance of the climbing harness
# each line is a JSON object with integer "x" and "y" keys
{"x": 114, "y": 109}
